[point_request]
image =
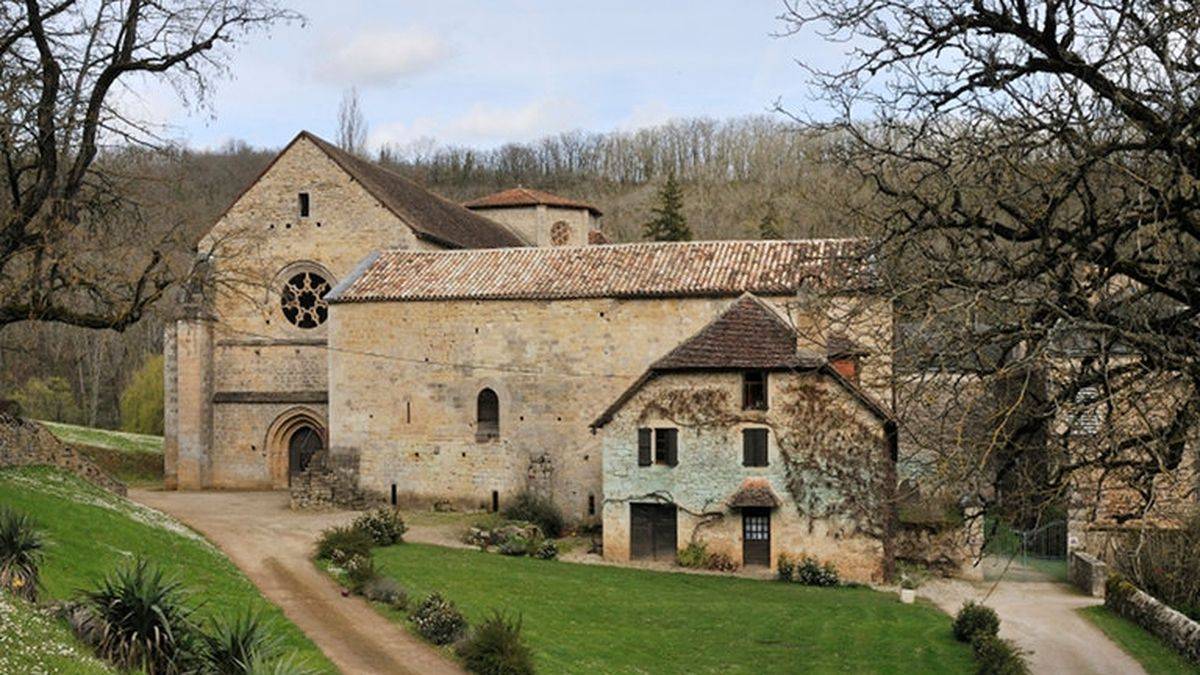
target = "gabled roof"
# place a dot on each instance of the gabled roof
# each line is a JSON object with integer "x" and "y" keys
{"x": 754, "y": 492}
{"x": 523, "y": 196}
{"x": 642, "y": 270}
{"x": 748, "y": 335}
{"x": 431, "y": 216}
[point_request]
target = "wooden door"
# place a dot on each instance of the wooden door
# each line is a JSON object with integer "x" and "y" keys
{"x": 652, "y": 532}
{"x": 756, "y": 536}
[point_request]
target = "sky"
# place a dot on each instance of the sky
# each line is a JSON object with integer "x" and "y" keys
{"x": 486, "y": 73}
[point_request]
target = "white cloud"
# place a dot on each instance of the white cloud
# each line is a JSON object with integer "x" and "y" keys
{"x": 486, "y": 124}
{"x": 382, "y": 58}
{"x": 646, "y": 114}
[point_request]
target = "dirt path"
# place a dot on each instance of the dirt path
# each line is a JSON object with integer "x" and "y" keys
{"x": 273, "y": 545}
{"x": 1041, "y": 618}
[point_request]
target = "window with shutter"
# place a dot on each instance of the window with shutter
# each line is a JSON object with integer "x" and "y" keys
{"x": 754, "y": 447}
{"x": 754, "y": 390}
{"x": 644, "y": 456}
{"x": 666, "y": 446}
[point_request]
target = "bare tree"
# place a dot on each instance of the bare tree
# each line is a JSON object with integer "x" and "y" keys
{"x": 72, "y": 248}
{"x": 1036, "y": 169}
{"x": 352, "y": 126}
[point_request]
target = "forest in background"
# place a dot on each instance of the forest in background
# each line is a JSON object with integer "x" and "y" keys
{"x": 740, "y": 178}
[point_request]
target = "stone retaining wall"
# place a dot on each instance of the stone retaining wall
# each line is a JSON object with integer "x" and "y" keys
{"x": 1146, "y": 611}
{"x": 27, "y": 443}
{"x": 1088, "y": 573}
{"x": 331, "y": 481}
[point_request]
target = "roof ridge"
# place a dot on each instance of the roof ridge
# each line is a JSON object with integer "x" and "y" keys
{"x": 631, "y": 244}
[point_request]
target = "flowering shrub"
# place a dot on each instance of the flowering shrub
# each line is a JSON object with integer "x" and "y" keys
{"x": 438, "y": 620}
{"x": 384, "y": 526}
{"x": 697, "y": 556}
{"x": 807, "y": 570}
{"x": 340, "y": 544}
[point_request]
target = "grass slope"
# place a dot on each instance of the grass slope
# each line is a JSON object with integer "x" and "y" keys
{"x": 92, "y": 531}
{"x": 105, "y": 438}
{"x": 602, "y": 619}
{"x": 134, "y": 459}
{"x": 1156, "y": 656}
{"x": 31, "y": 641}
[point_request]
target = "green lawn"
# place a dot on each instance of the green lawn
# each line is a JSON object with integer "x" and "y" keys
{"x": 31, "y": 641}
{"x": 1155, "y": 655}
{"x": 600, "y": 619}
{"x": 105, "y": 438}
{"x": 92, "y": 531}
{"x": 134, "y": 459}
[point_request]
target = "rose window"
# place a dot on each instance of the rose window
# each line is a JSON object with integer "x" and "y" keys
{"x": 302, "y": 300}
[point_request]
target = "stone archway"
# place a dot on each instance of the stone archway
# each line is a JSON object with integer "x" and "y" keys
{"x": 293, "y": 439}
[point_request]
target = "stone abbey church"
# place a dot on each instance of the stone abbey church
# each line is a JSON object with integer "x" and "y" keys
{"x": 355, "y": 336}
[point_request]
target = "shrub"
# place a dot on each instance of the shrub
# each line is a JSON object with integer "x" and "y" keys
{"x": 360, "y": 570}
{"x": 974, "y": 620}
{"x": 384, "y": 526}
{"x": 438, "y": 620}
{"x": 547, "y": 550}
{"x": 339, "y": 544}
{"x": 515, "y": 545}
{"x": 811, "y": 573}
{"x": 539, "y": 510}
{"x": 495, "y": 647}
{"x": 141, "y": 401}
{"x": 998, "y": 657}
{"x": 387, "y": 591}
{"x": 21, "y": 548}
{"x": 693, "y": 555}
{"x": 785, "y": 567}
{"x": 137, "y": 619}
{"x": 720, "y": 562}
{"x": 232, "y": 646}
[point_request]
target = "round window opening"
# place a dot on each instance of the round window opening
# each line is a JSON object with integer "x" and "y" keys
{"x": 302, "y": 300}
{"x": 560, "y": 233}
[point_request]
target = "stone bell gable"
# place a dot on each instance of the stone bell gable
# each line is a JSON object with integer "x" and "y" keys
{"x": 245, "y": 375}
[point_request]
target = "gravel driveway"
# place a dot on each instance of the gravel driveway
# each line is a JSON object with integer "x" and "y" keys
{"x": 273, "y": 546}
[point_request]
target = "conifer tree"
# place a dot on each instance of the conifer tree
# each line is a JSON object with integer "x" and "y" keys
{"x": 669, "y": 223}
{"x": 768, "y": 226}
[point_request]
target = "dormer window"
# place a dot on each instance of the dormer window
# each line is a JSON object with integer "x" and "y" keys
{"x": 754, "y": 390}
{"x": 303, "y": 204}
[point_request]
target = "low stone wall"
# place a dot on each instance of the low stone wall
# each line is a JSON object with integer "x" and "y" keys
{"x": 951, "y": 549}
{"x": 27, "y": 443}
{"x": 1146, "y": 611}
{"x": 329, "y": 482}
{"x": 1088, "y": 573}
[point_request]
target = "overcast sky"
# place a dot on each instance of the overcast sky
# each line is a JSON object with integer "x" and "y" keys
{"x": 485, "y": 73}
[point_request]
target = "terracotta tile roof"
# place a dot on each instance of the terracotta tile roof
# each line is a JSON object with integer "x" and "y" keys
{"x": 523, "y": 196}
{"x": 754, "y": 492}
{"x": 643, "y": 270}
{"x": 839, "y": 345}
{"x": 431, "y": 216}
{"x": 748, "y": 335}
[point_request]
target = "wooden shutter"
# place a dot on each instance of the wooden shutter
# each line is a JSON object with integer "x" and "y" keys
{"x": 644, "y": 456}
{"x": 671, "y": 436}
{"x": 754, "y": 447}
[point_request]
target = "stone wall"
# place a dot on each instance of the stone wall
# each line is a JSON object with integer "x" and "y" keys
{"x": 828, "y": 465}
{"x": 404, "y": 379}
{"x": 534, "y": 223}
{"x": 1143, "y": 609}
{"x": 27, "y": 443}
{"x": 331, "y": 481}
{"x": 1088, "y": 573}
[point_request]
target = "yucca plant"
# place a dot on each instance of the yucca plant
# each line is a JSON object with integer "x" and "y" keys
{"x": 284, "y": 665}
{"x": 138, "y": 619}
{"x": 21, "y": 547}
{"x": 233, "y": 646}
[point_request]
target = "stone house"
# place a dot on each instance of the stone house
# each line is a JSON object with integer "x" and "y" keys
{"x": 742, "y": 440}
{"x": 356, "y": 337}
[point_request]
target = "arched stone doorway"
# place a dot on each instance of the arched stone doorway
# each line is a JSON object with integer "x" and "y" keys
{"x": 292, "y": 441}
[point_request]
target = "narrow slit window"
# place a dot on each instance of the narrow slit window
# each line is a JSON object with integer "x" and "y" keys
{"x": 303, "y": 204}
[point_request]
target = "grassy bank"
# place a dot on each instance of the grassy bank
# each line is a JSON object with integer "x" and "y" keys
{"x": 1156, "y": 656}
{"x": 602, "y": 619}
{"x": 134, "y": 459}
{"x": 92, "y": 531}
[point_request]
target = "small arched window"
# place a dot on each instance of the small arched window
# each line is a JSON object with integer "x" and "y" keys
{"x": 487, "y": 416}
